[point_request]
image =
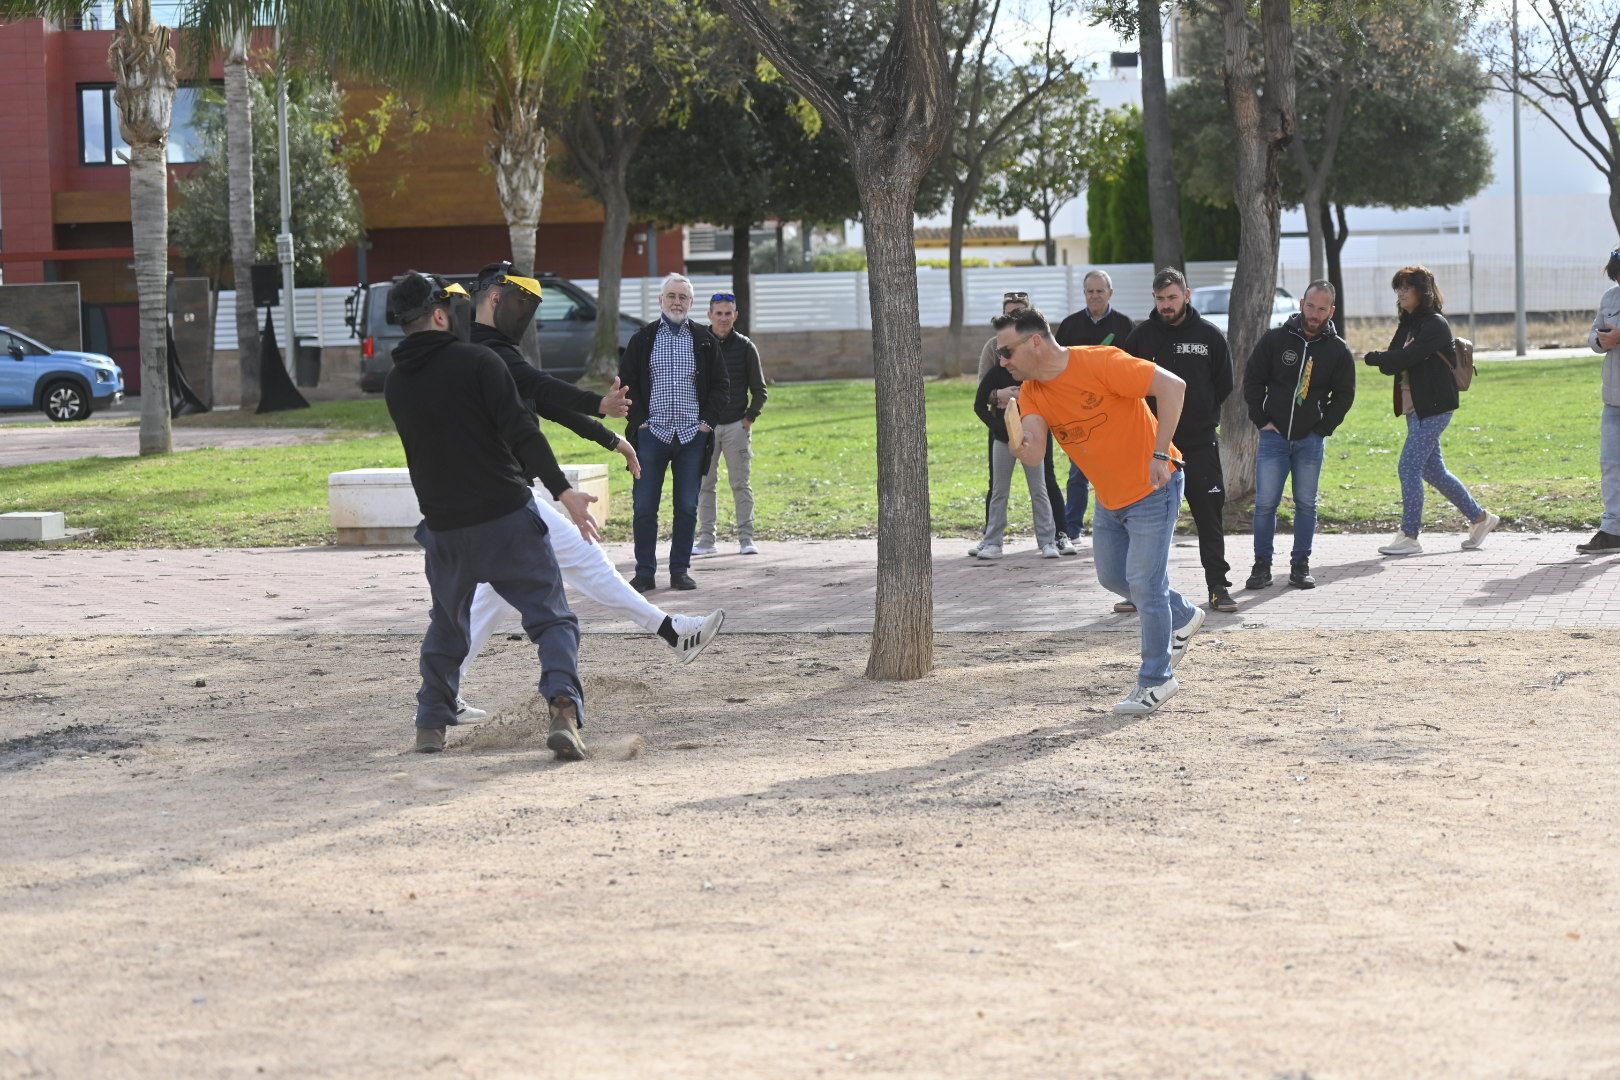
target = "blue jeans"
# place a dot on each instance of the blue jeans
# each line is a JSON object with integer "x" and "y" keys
{"x": 1131, "y": 546}
{"x": 1277, "y": 458}
{"x": 1421, "y": 460}
{"x": 686, "y": 461}
{"x": 1609, "y": 460}
{"x": 1074, "y": 506}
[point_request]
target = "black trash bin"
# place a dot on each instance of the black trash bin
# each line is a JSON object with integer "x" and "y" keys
{"x": 307, "y": 365}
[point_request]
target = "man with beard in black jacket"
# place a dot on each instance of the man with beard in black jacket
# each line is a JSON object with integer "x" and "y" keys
{"x": 470, "y": 447}
{"x": 1298, "y": 384}
{"x": 1182, "y": 342}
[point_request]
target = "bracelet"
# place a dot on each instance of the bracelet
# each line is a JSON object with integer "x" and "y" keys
{"x": 1160, "y": 456}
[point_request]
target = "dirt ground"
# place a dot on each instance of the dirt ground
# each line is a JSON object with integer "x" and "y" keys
{"x": 1332, "y": 855}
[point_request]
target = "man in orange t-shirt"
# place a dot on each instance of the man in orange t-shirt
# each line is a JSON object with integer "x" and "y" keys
{"x": 1093, "y": 400}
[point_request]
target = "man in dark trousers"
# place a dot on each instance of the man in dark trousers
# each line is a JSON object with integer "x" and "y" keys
{"x": 470, "y": 447}
{"x": 1298, "y": 384}
{"x": 678, "y": 388}
{"x": 1180, "y": 340}
{"x": 1095, "y": 324}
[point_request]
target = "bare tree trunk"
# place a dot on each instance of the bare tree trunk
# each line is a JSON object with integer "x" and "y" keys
{"x": 1051, "y": 245}
{"x": 1264, "y": 126}
{"x": 244, "y": 235}
{"x": 149, "y": 221}
{"x": 951, "y": 364}
{"x": 903, "y": 630}
{"x": 742, "y": 274}
{"x": 1164, "y": 195}
{"x": 1334, "y": 237}
{"x": 610, "y": 275}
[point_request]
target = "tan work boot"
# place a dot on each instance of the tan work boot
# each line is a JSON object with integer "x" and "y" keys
{"x": 564, "y": 740}
{"x": 429, "y": 740}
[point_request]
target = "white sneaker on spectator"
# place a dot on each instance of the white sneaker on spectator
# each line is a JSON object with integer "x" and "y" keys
{"x": 703, "y": 547}
{"x": 1146, "y": 699}
{"x": 1050, "y": 551}
{"x": 1402, "y": 545}
{"x": 747, "y": 548}
{"x": 973, "y": 552}
{"x": 694, "y": 632}
{"x": 1066, "y": 546}
{"x": 468, "y": 714}
{"x": 988, "y": 551}
{"x": 1479, "y": 531}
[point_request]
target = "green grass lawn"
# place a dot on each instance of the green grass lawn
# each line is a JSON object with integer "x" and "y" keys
{"x": 1525, "y": 441}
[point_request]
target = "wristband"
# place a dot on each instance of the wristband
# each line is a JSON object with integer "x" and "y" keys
{"x": 1160, "y": 456}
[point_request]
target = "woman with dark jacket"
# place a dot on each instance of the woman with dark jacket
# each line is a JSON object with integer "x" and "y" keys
{"x": 1426, "y": 394}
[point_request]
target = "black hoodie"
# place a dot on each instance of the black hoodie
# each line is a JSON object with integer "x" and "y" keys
{"x": 546, "y": 395}
{"x": 1196, "y": 351}
{"x": 465, "y": 432}
{"x": 1299, "y": 385}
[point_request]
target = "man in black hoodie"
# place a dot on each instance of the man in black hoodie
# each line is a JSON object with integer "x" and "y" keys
{"x": 470, "y": 447}
{"x": 506, "y": 306}
{"x": 1182, "y": 342}
{"x": 1298, "y": 384}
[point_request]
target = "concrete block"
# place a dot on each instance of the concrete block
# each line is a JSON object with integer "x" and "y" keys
{"x": 377, "y": 507}
{"x": 33, "y": 525}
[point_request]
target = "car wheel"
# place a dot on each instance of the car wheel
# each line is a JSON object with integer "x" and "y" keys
{"x": 66, "y": 401}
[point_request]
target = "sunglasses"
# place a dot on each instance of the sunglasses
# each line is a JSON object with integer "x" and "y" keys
{"x": 1014, "y": 296}
{"x": 1006, "y": 351}
{"x": 723, "y": 298}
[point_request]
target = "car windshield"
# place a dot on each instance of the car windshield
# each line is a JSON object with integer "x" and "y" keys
{"x": 1211, "y": 301}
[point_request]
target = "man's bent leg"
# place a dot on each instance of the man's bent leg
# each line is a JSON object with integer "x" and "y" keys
{"x": 1110, "y": 545}
{"x": 528, "y": 578}
{"x": 585, "y": 567}
{"x": 1150, "y": 524}
{"x": 489, "y": 612}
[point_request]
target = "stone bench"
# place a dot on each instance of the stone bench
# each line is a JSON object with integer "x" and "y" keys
{"x": 377, "y": 507}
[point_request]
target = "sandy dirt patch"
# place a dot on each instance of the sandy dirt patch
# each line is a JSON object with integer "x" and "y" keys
{"x": 1333, "y": 855}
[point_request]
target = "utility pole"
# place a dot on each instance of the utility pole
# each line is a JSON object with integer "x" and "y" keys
{"x": 1521, "y": 333}
{"x": 284, "y": 239}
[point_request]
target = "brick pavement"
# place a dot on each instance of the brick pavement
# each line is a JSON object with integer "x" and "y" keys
{"x": 1519, "y": 581}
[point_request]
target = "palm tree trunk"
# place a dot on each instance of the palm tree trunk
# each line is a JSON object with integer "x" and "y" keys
{"x": 1164, "y": 197}
{"x": 244, "y": 238}
{"x": 610, "y": 274}
{"x": 518, "y": 153}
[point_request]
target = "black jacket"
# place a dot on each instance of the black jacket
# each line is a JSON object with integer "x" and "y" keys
{"x": 1079, "y": 329}
{"x": 745, "y": 379}
{"x": 1285, "y": 364}
{"x": 1197, "y": 352}
{"x": 994, "y": 417}
{"x": 1419, "y": 348}
{"x": 468, "y": 442}
{"x": 635, "y": 371}
{"x": 546, "y": 395}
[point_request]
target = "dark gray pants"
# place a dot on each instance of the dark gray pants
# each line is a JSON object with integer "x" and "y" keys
{"x": 513, "y": 554}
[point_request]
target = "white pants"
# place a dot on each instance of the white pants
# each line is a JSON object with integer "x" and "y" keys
{"x": 585, "y": 567}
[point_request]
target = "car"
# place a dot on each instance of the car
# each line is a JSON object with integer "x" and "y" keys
{"x": 566, "y": 322}
{"x": 1212, "y": 302}
{"x": 65, "y": 385}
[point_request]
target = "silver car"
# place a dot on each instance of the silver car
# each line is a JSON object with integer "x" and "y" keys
{"x": 1213, "y": 301}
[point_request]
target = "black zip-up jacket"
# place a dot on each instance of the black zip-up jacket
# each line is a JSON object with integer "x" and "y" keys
{"x": 745, "y": 378}
{"x": 1197, "y": 352}
{"x": 1419, "y": 348}
{"x": 994, "y": 416}
{"x": 635, "y": 371}
{"x": 1080, "y": 329}
{"x": 469, "y": 443}
{"x": 546, "y": 395}
{"x": 1284, "y": 364}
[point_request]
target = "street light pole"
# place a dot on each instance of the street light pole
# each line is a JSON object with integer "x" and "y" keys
{"x": 1521, "y": 343}
{"x": 284, "y": 240}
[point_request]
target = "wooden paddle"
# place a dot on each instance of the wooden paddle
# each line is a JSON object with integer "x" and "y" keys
{"x": 1015, "y": 425}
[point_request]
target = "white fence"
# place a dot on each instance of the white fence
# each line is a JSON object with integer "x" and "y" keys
{"x": 319, "y": 316}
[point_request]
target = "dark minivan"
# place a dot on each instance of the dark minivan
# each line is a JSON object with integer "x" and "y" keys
{"x": 566, "y": 322}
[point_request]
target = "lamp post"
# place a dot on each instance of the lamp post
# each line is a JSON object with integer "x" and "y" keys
{"x": 1521, "y": 342}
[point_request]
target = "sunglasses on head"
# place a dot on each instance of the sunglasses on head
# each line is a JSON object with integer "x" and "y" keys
{"x": 1014, "y": 296}
{"x": 723, "y": 298}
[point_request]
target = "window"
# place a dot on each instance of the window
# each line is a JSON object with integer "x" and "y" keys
{"x": 100, "y": 141}
{"x": 556, "y": 305}
{"x": 28, "y": 346}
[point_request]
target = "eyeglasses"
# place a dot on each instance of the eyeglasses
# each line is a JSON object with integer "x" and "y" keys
{"x": 1006, "y": 351}
{"x": 723, "y": 298}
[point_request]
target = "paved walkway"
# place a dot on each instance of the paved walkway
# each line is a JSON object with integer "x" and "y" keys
{"x": 68, "y": 442}
{"x": 1519, "y": 581}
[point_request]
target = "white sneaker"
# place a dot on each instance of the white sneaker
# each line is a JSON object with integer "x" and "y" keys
{"x": 1479, "y": 531}
{"x": 988, "y": 551}
{"x": 747, "y": 548}
{"x": 468, "y": 714}
{"x": 694, "y": 632}
{"x": 973, "y": 552}
{"x": 1180, "y": 639}
{"x": 1066, "y": 546}
{"x": 701, "y": 549}
{"x": 1050, "y": 551}
{"x": 1402, "y": 545}
{"x": 1146, "y": 699}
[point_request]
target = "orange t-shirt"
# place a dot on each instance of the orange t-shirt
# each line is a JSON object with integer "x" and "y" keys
{"x": 1098, "y": 413}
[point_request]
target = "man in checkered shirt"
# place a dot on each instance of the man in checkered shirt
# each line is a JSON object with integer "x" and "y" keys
{"x": 678, "y": 388}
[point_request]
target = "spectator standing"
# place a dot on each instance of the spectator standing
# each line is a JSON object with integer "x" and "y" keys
{"x": 1181, "y": 341}
{"x": 1606, "y": 339}
{"x": 672, "y": 371}
{"x": 734, "y": 428}
{"x": 1095, "y": 324}
{"x": 1425, "y": 392}
{"x": 1298, "y": 384}
{"x": 993, "y": 414}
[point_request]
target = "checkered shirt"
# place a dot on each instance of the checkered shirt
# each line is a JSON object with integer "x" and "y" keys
{"x": 672, "y": 406}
